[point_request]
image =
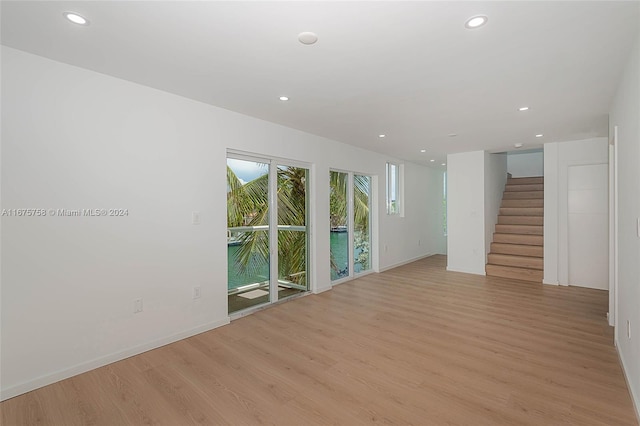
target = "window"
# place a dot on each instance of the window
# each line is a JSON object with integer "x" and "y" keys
{"x": 444, "y": 203}
{"x": 393, "y": 189}
{"x": 350, "y": 216}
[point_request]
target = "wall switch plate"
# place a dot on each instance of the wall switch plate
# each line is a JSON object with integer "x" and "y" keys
{"x": 195, "y": 218}
{"x": 137, "y": 306}
{"x": 628, "y": 329}
{"x": 196, "y": 292}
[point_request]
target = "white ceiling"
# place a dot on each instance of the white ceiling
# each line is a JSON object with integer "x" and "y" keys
{"x": 409, "y": 70}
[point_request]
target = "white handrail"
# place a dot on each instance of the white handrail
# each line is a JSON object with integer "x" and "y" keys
{"x": 266, "y": 227}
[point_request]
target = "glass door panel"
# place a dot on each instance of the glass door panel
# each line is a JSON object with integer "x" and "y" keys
{"x": 293, "y": 235}
{"x": 361, "y": 223}
{"x": 247, "y": 234}
{"x": 339, "y": 232}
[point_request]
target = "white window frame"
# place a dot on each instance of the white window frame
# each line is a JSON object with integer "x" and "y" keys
{"x": 397, "y": 189}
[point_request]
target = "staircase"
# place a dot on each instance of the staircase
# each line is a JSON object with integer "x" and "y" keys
{"x": 516, "y": 250}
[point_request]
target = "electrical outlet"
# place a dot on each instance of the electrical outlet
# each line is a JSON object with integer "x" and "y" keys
{"x": 137, "y": 306}
{"x": 196, "y": 292}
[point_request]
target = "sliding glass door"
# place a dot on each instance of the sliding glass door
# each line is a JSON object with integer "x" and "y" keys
{"x": 350, "y": 218}
{"x": 267, "y": 231}
{"x": 248, "y": 233}
{"x": 293, "y": 232}
{"x": 361, "y": 223}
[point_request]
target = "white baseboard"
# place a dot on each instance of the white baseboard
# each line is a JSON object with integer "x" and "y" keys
{"x": 635, "y": 397}
{"x": 550, "y": 282}
{"x": 104, "y": 360}
{"x": 405, "y": 262}
{"x": 321, "y": 290}
{"x": 466, "y": 271}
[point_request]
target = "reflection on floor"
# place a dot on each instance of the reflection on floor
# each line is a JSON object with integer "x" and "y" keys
{"x": 256, "y": 297}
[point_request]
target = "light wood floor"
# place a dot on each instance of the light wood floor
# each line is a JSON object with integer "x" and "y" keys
{"x": 414, "y": 345}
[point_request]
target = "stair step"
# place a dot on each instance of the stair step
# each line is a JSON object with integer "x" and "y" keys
{"x": 520, "y": 220}
{"x": 511, "y": 272}
{"x": 529, "y": 240}
{"x": 517, "y": 261}
{"x": 519, "y": 229}
{"x": 525, "y": 180}
{"x": 528, "y": 187}
{"x": 522, "y": 211}
{"x": 517, "y": 249}
{"x": 521, "y": 195}
{"x": 523, "y": 203}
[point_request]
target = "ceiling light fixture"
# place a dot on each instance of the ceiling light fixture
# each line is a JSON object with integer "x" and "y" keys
{"x": 539, "y": 135}
{"x": 307, "y": 37}
{"x": 75, "y": 18}
{"x": 382, "y": 136}
{"x": 476, "y": 22}
{"x": 523, "y": 109}
{"x": 444, "y": 164}
{"x": 423, "y": 150}
{"x": 284, "y": 98}
{"x": 518, "y": 145}
{"x": 452, "y": 135}
{"x": 432, "y": 160}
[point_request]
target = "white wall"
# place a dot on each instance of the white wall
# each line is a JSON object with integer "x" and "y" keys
{"x": 495, "y": 177}
{"x": 527, "y": 164}
{"x": 551, "y": 206}
{"x": 73, "y": 138}
{"x": 559, "y": 156}
{"x": 625, "y": 114}
{"x": 465, "y": 212}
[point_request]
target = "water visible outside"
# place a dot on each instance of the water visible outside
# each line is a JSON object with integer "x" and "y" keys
{"x": 339, "y": 248}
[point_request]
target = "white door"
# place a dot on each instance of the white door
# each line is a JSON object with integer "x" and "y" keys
{"x": 589, "y": 226}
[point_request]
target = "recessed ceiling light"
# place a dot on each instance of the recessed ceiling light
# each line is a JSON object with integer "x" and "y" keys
{"x": 523, "y": 109}
{"x": 452, "y": 135}
{"x": 444, "y": 164}
{"x": 423, "y": 150}
{"x": 476, "y": 22}
{"x": 432, "y": 160}
{"x": 382, "y": 136}
{"x": 284, "y": 98}
{"x": 307, "y": 37}
{"x": 539, "y": 135}
{"x": 75, "y": 18}
{"x": 517, "y": 145}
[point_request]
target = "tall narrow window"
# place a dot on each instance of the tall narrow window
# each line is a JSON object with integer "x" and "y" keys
{"x": 350, "y": 217}
{"x": 361, "y": 223}
{"x": 444, "y": 203}
{"x": 339, "y": 217}
{"x": 393, "y": 188}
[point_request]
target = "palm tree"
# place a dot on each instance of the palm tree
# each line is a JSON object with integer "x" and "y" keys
{"x": 248, "y": 205}
{"x": 338, "y": 212}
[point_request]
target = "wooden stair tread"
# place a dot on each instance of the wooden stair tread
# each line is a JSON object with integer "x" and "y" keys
{"x": 527, "y": 187}
{"x": 511, "y": 272}
{"x": 522, "y": 195}
{"x": 527, "y": 240}
{"x": 517, "y": 261}
{"x": 533, "y": 202}
{"x": 525, "y": 180}
{"x": 520, "y": 220}
{"x": 522, "y": 211}
{"x": 517, "y": 249}
{"x": 519, "y": 229}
